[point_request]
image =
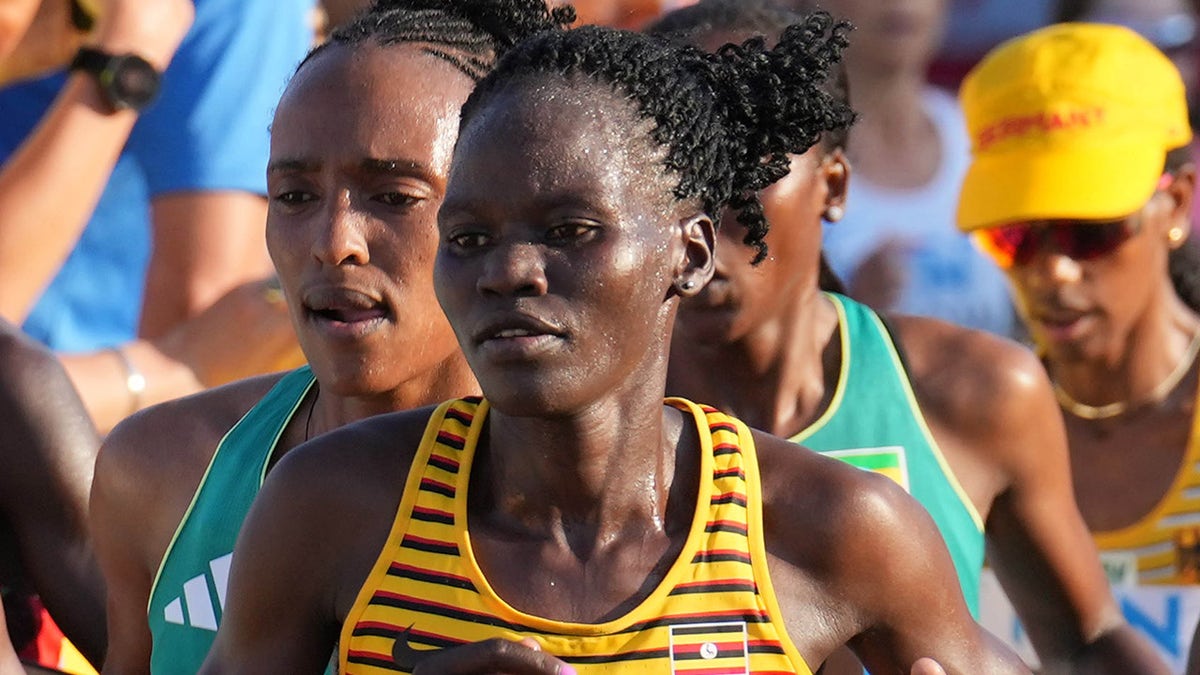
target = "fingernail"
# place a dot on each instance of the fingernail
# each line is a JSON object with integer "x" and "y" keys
{"x": 565, "y": 669}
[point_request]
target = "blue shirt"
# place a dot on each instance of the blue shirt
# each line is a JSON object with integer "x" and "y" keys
{"x": 208, "y": 130}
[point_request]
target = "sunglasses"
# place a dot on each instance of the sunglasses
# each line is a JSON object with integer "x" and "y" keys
{"x": 1080, "y": 240}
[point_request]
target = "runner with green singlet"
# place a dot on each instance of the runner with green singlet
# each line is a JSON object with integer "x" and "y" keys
{"x": 967, "y": 421}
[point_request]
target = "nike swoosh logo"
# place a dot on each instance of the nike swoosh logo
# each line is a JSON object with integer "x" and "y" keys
{"x": 405, "y": 656}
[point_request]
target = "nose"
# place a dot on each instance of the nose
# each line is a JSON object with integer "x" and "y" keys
{"x": 340, "y": 238}
{"x": 516, "y": 269}
{"x": 1048, "y": 269}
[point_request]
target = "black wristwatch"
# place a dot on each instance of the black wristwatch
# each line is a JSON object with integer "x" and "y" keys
{"x": 127, "y": 81}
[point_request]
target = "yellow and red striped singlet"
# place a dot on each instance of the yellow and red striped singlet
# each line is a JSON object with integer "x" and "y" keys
{"x": 714, "y": 613}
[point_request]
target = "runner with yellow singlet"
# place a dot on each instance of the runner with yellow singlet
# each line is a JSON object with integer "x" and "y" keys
{"x": 583, "y": 513}
{"x": 1079, "y": 187}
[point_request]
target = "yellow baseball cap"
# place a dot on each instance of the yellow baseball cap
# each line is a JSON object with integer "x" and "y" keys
{"x": 1069, "y": 121}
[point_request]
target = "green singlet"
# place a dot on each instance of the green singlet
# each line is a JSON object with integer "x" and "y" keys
{"x": 874, "y": 423}
{"x": 188, "y": 594}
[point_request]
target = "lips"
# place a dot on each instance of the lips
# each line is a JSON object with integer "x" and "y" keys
{"x": 340, "y": 305}
{"x": 515, "y": 326}
{"x": 517, "y": 337}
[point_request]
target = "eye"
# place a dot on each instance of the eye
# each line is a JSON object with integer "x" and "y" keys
{"x": 293, "y": 198}
{"x": 397, "y": 199}
{"x": 465, "y": 242}
{"x": 572, "y": 233}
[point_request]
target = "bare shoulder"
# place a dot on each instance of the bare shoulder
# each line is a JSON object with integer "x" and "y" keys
{"x": 983, "y": 395}
{"x": 150, "y": 465}
{"x": 352, "y": 475}
{"x": 854, "y": 559}
{"x": 834, "y": 524}
{"x": 971, "y": 371}
{"x": 173, "y": 439}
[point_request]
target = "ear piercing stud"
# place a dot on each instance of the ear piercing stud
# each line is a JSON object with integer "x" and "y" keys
{"x": 834, "y": 213}
{"x": 688, "y": 285}
{"x": 1175, "y": 235}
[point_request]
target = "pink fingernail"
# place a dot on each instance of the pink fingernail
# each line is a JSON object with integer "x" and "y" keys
{"x": 566, "y": 670}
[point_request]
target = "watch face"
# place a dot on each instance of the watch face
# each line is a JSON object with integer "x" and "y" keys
{"x": 132, "y": 82}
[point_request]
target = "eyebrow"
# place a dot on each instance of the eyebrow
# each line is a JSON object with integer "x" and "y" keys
{"x": 390, "y": 167}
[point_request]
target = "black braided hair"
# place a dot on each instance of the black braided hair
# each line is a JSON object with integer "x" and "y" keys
{"x": 691, "y": 24}
{"x": 469, "y": 34}
{"x": 727, "y": 121}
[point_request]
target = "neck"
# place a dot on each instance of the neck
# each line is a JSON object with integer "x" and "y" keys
{"x": 586, "y": 478}
{"x": 1141, "y": 370}
{"x": 894, "y": 143}
{"x": 786, "y": 371}
{"x": 451, "y": 378}
{"x": 583, "y": 482}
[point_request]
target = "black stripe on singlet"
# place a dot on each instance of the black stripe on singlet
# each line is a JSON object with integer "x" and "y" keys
{"x": 443, "y": 463}
{"x": 723, "y": 426}
{"x": 427, "y": 515}
{"x": 597, "y": 659}
{"x": 716, "y": 587}
{"x": 729, "y": 498}
{"x": 429, "y": 545}
{"x": 429, "y": 576}
{"x": 460, "y": 416}
{"x": 426, "y": 607}
{"x": 721, "y": 556}
{"x": 727, "y": 526}
{"x": 449, "y": 440}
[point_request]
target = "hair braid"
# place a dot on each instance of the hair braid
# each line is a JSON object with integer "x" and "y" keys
{"x": 727, "y": 121}
{"x": 469, "y": 34}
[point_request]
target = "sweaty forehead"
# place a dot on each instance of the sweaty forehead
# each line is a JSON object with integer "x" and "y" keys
{"x": 560, "y": 137}
{"x": 352, "y": 102}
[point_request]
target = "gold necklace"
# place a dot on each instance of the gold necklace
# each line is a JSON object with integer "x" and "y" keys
{"x": 1100, "y": 412}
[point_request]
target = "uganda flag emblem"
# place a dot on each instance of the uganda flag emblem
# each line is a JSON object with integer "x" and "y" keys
{"x": 709, "y": 649}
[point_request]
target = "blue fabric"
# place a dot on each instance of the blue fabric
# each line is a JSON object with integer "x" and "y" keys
{"x": 207, "y": 131}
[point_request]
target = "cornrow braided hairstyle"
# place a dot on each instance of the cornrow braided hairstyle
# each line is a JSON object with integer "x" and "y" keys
{"x": 727, "y": 121}
{"x": 469, "y": 34}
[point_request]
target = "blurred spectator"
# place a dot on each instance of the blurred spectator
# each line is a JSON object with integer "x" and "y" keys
{"x": 897, "y": 247}
{"x": 975, "y": 26}
{"x": 181, "y": 215}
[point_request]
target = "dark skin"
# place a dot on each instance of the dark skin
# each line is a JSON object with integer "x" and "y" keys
{"x": 360, "y": 153}
{"x": 986, "y": 400}
{"x": 1110, "y": 331}
{"x": 44, "y": 491}
{"x": 987, "y": 403}
{"x": 574, "y": 239}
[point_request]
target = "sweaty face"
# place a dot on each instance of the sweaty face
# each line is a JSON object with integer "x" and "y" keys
{"x": 741, "y": 296}
{"x": 360, "y": 150}
{"x": 556, "y": 258}
{"x": 1089, "y": 309}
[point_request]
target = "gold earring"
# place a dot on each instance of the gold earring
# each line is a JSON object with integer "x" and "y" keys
{"x": 1175, "y": 235}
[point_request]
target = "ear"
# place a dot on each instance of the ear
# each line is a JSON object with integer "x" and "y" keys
{"x": 1182, "y": 191}
{"x": 835, "y": 169}
{"x": 694, "y": 264}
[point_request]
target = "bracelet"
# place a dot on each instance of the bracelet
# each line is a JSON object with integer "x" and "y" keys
{"x": 135, "y": 381}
